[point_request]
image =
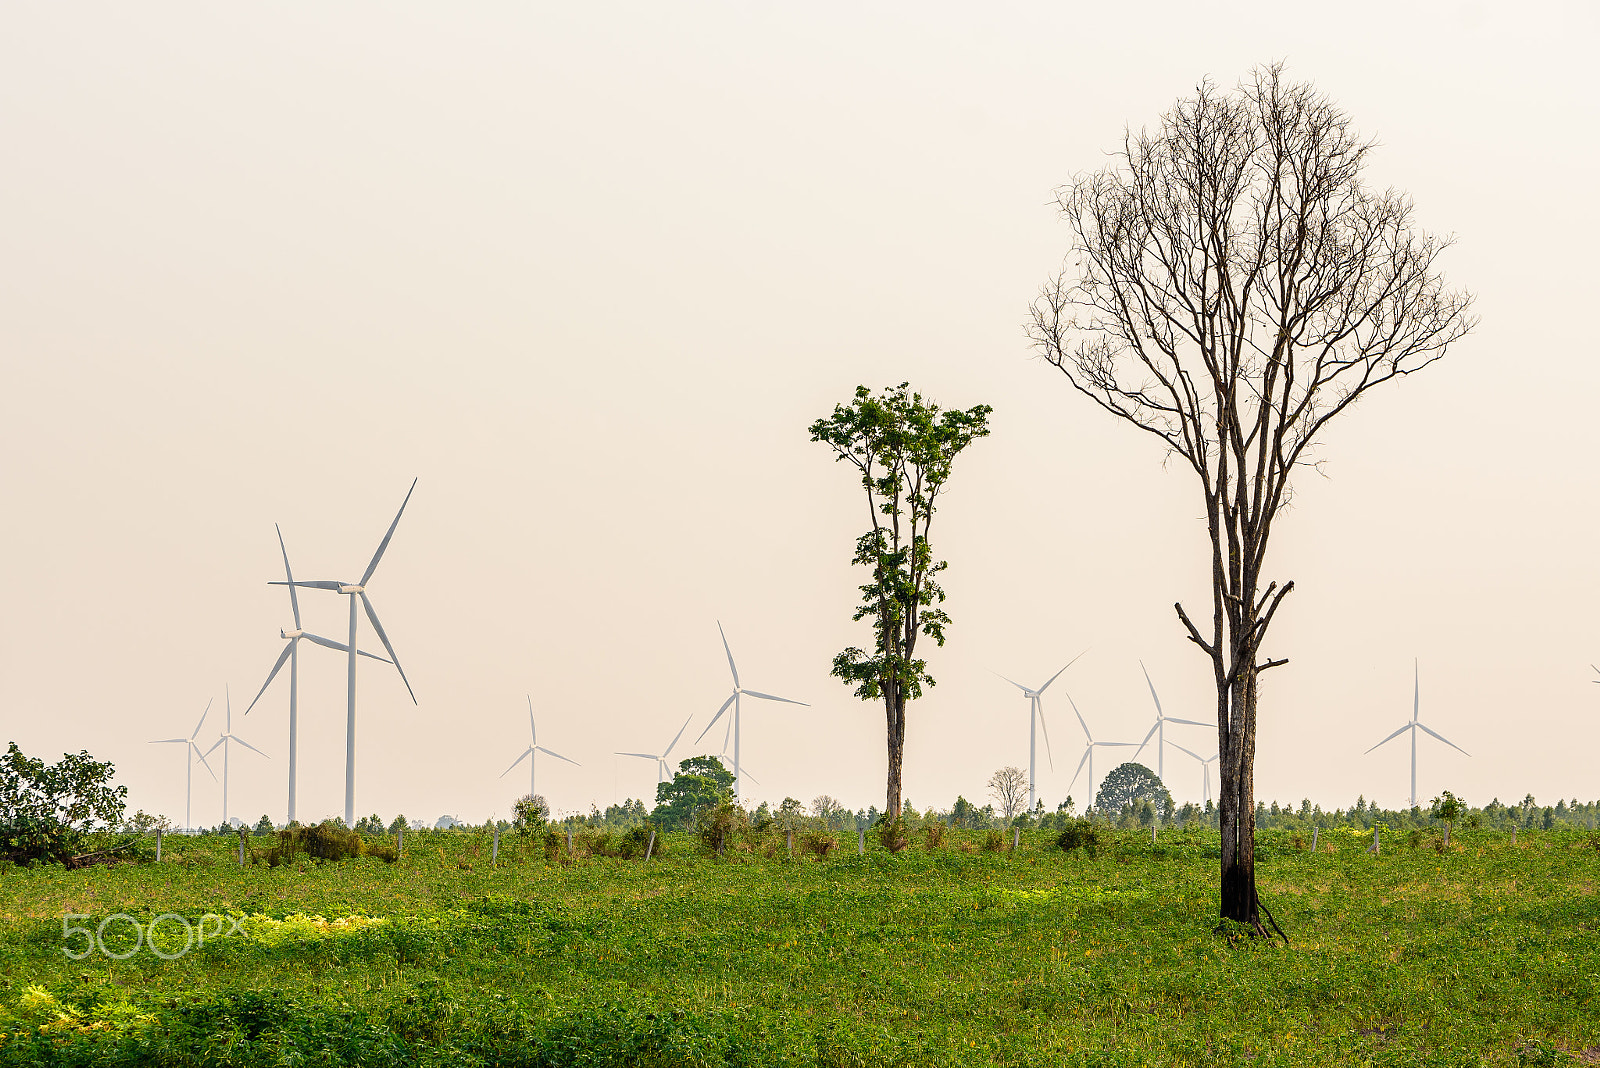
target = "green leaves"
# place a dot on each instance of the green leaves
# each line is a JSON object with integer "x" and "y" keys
{"x": 45, "y": 809}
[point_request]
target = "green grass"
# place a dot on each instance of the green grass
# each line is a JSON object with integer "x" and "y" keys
{"x": 1486, "y": 954}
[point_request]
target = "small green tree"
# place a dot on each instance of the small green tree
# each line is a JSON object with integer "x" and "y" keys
{"x": 903, "y": 446}
{"x": 700, "y": 784}
{"x": 1448, "y": 807}
{"x": 263, "y": 825}
{"x": 47, "y": 809}
{"x": 530, "y": 812}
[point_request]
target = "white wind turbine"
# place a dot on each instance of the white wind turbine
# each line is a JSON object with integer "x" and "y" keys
{"x": 733, "y": 699}
{"x": 1414, "y": 726}
{"x": 1088, "y": 752}
{"x": 533, "y": 751}
{"x": 354, "y": 590}
{"x": 1205, "y": 770}
{"x": 663, "y": 769}
{"x": 291, "y": 653}
{"x": 227, "y": 737}
{"x": 1036, "y": 719}
{"x": 1158, "y": 731}
{"x": 190, "y": 753}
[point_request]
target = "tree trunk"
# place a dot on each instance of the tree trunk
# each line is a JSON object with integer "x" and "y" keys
{"x": 895, "y": 707}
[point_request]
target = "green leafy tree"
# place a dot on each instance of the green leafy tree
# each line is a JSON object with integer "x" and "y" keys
{"x": 46, "y": 810}
{"x": 263, "y": 826}
{"x": 903, "y": 447}
{"x": 1448, "y": 807}
{"x": 1129, "y": 784}
{"x": 530, "y": 812}
{"x": 700, "y": 784}
{"x": 1237, "y": 285}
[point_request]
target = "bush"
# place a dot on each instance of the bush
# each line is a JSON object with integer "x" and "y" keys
{"x": 818, "y": 843}
{"x": 46, "y": 810}
{"x": 994, "y": 842}
{"x": 717, "y": 825}
{"x": 934, "y": 834}
{"x": 637, "y": 839}
{"x": 893, "y": 835}
{"x": 326, "y": 841}
{"x": 1085, "y": 834}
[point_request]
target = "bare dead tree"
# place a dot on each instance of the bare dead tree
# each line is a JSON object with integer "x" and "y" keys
{"x": 1236, "y": 287}
{"x": 1009, "y": 788}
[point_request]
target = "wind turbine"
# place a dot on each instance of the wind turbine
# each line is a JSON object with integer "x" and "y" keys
{"x": 1088, "y": 752}
{"x": 1159, "y": 732}
{"x": 228, "y": 736}
{"x": 354, "y": 590}
{"x": 188, "y": 776}
{"x": 663, "y": 769}
{"x": 733, "y": 699}
{"x": 533, "y": 751}
{"x": 1414, "y": 726}
{"x": 1036, "y": 718}
{"x": 291, "y": 653}
{"x": 1205, "y": 770}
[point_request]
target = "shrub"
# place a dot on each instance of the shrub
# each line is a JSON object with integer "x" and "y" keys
{"x": 893, "y": 835}
{"x": 717, "y": 825}
{"x": 994, "y": 842}
{"x": 934, "y": 834}
{"x": 46, "y": 810}
{"x": 327, "y": 840}
{"x": 818, "y": 843}
{"x": 1085, "y": 834}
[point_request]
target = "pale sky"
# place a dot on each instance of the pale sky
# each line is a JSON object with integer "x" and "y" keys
{"x": 588, "y": 271}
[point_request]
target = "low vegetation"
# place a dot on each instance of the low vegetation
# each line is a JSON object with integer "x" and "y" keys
{"x": 945, "y": 952}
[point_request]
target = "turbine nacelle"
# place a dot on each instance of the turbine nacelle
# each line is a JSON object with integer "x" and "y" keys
{"x": 296, "y": 633}
{"x": 352, "y": 590}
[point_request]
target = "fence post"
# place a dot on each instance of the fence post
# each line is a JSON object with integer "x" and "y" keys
{"x": 650, "y": 845}
{"x": 1376, "y": 845}
{"x": 1314, "y": 831}
{"x": 569, "y": 841}
{"x": 158, "y": 845}
{"x": 241, "y": 847}
{"x": 1016, "y": 838}
{"x": 861, "y": 842}
{"x": 1513, "y": 836}
{"x": 494, "y": 853}
{"x": 790, "y": 835}
{"x": 400, "y": 841}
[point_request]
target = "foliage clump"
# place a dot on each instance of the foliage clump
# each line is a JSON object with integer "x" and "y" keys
{"x": 327, "y": 841}
{"x": 47, "y": 810}
{"x": 717, "y": 826}
{"x": 1085, "y": 835}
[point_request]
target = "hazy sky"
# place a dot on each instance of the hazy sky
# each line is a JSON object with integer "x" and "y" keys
{"x": 588, "y": 271}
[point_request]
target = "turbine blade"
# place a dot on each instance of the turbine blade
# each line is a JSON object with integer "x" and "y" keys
{"x": 1391, "y": 737}
{"x": 744, "y": 773}
{"x": 1081, "y": 723}
{"x": 1190, "y": 722}
{"x": 1416, "y": 691}
{"x": 214, "y": 745}
{"x": 370, "y": 656}
{"x": 718, "y": 716}
{"x": 319, "y": 584}
{"x": 769, "y": 697}
{"x": 294, "y": 601}
{"x": 730, "y": 655}
{"x": 1152, "y": 686}
{"x": 1115, "y": 743}
{"x": 202, "y": 757}
{"x": 1086, "y": 751}
{"x": 675, "y": 738}
{"x": 1057, "y": 675}
{"x": 533, "y": 729}
{"x": 644, "y": 756}
{"x": 384, "y": 544}
{"x": 1181, "y": 749}
{"x": 248, "y": 746}
{"x": 558, "y": 756}
{"x": 1147, "y": 737}
{"x": 1012, "y": 681}
{"x": 283, "y": 658}
{"x": 1445, "y": 740}
{"x": 197, "y": 726}
{"x": 384, "y": 638}
{"x": 525, "y": 753}
{"x": 1046, "y": 729}
{"x": 163, "y": 741}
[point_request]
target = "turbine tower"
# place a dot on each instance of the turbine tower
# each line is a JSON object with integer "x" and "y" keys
{"x": 733, "y": 699}
{"x": 1035, "y": 722}
{"x": 227, "y": 737}
{"x": 1160, "y": 733}
{"x": 291, "y": 653}
{"x": 1088, "y": 752}
{"x": 188, "y": 774}
{"x": 354, "y": 590}
{"x": 663, "y": 770}
{"x": 1205, "y": 770}
{"x": 533, "y": 751}
{"x": 1414, "y": 726}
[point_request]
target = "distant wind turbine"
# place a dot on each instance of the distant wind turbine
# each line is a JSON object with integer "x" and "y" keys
{"x": 733, "y": 699}
{"x": 1416, "y": 725}
{"x": 188, "y": 776}
{"x": 663, "y": 769}
{"x": 1158, "y": 731}
{"x": 1036, "y": 720}
{"x": 291, "y": 653}
{"x": 1597, "y": 672}
{"x": 227, "y": 737}
{"x": 354, "y": 590}
{"x": 1205, "y": 770}
{"x": 533, "y": 751}
{"x": 1088, "y": 752}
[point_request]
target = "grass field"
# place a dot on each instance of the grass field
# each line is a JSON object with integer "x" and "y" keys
{"x": 1488, "y": 953}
